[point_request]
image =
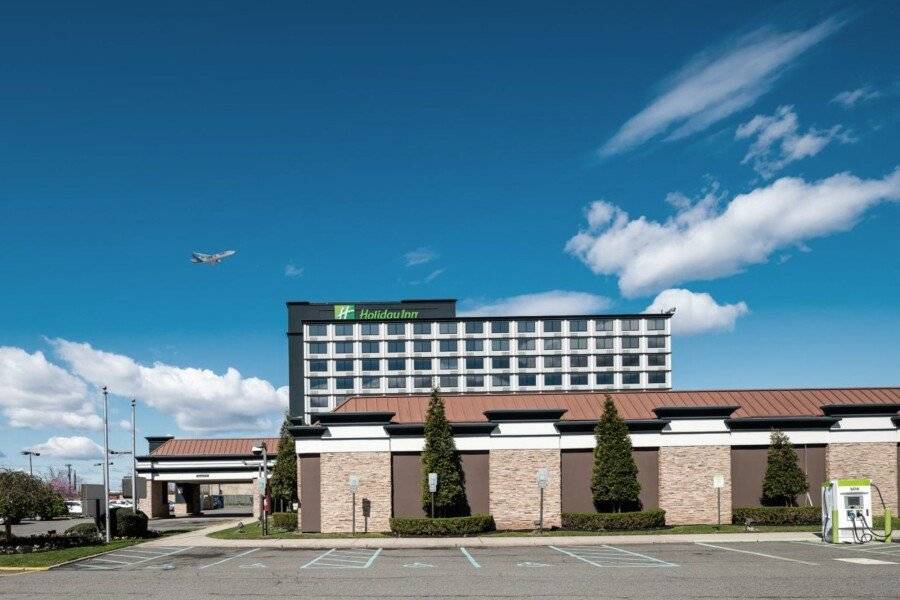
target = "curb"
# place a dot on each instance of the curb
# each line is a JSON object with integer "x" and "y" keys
{"x": 26, "y": 569}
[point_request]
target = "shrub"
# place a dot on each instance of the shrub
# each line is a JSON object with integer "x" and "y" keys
{"x": 83, "y": 529}
{"x": 442, "y": 526}
{"x": 644, "y": 519}
{"x": 129, "y": 524}
{"x": 777, "y": 515}
{"x": 286, "y": 521}
{"x": 784, "y": 479}
{"x": 440, "y": 456}
{"x": 614, "y": 483}
{"x": 283, "y": 484}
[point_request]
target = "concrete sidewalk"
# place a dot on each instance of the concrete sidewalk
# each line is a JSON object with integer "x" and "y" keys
{"x": 200, "y": 538}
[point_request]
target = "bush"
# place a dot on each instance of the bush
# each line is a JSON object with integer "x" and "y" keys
{"x": 878, "y": 523}
{"x": 129, "y": 524}
{"x": 644, "y": 519}
{"x": 442, "y": 526}
{"x": 777, "y": 515}
{"x": 83, "y": 529}
{"x": 286, "y": 521}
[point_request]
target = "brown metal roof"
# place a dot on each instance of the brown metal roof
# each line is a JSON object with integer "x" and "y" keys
{"x": 213, "y": 447}
{"x": 465, "y": 408}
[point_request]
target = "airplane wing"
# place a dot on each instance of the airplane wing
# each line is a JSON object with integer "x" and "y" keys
{"x": 224, "y": 254}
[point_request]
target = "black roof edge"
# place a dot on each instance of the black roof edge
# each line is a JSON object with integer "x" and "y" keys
{"x": 896, "y": 420}
{"x": 418, "y": 429}
{"x": 355, "y": 418}
{"x": 525, "y": 414}
{"x": 694, "y": 412}
{"x": 306, "y": 431}
{"x": 633, "y": 425}
{"x": 173, "y": 457}
{"x": 765, "y": 423}
{"x": 403, "y": 301}
{"x": 516, "y": 318}
{"x": 859, "y": 410}
{"x": 159, "y": 438}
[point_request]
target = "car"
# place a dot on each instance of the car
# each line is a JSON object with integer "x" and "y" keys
{"x": 74, "y": 507}
{"x": 121, "y": 503}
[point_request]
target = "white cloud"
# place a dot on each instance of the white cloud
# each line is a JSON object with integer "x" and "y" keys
{"x": 850, "y": 98}
{"x": 553, "y": 302}
{"x": 198, "y": 399}
{"x": 71, "y": 448}
{"x": 717, "y": 84}
{"x": 36, "y": 393}
{"x": 696, "y": 312}
{"x": 293, "y": 271}
{"x": 701, "y": 242}
{"x": 125, "y": 424}
{"x": 778, "y": 140}
{"x": 419, "y": 256}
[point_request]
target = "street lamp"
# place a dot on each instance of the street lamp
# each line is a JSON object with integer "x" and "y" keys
{"x": 29, "y": 454}
{"x": 133, "y": 458}
{"x": 106, "y": 460}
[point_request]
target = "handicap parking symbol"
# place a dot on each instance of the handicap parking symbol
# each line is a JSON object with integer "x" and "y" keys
{"x": 253, "y": 566}
{"x": 529, "y": 564}
{"x": 418, "y": 565}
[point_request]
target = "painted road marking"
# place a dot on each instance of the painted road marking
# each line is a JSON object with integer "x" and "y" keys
{"x": 470, "y": 557}
{"x": 418, "y": 565}
{"x": 609, "y": 556}
{"x": 343, "y": 559}
{"x": 253, "y": 566}
{"x": 91, "y": 562}
{"x": 866, "y": 561}
{"x": 219, "y": 562}
{"x": 530, "y": 564}
{"x": 802, "y": 562}
{"x": 875, "y": 547}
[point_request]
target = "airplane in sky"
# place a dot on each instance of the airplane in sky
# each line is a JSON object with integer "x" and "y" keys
{"x": 210, "y": 259}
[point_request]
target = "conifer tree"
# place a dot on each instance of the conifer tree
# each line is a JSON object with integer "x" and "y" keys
{"x": 614, "y": 481}
{"x": 784, "y": 479}
{"x": 283, "y": 483}
{"x": 440, "y": 456}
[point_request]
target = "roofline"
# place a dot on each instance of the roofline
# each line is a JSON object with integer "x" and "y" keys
{"x": 403, "y": 301}
{"x": 510, "y": 318}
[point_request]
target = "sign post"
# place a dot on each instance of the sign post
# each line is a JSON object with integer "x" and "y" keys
{"x": 432, "y": 487}
{"x": 719, "y": 483}
{"x": 543, "y": 476}
{"x": 353, "y": 482}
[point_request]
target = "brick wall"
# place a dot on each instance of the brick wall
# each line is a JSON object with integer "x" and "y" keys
{"x": 155, "y": 503}
{"x": 686, "y": 489}
{"x": 514, "y": 493}
{"x": 374, "y": 472}
{"x": 299, "y": 504}
{"x": 876, "y": 461}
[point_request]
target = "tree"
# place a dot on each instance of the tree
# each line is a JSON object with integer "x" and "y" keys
{"x": 784, "y": 479}
{"x": 284, "y": 474}
{"x": 614, "y": 481}
{"x": 440, "y": 456}
{"x": 21, "y": 495}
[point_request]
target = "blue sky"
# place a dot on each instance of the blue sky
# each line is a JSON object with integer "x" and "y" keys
{"x": 619, "y": 157}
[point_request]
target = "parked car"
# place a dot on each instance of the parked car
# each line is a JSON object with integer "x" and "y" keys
{"x": 121, "y": 503}
{"x": 74, "y": 507}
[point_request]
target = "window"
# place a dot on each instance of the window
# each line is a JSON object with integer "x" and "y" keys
{"x": 448, "y": 346}
{"x": 552, "y": 362}
{"x": 343, "y": 383}
{"x": 500, "y": 345}
{"x": 371, "y": 364}
{"x": 449, "y": 363}
{"x": 656, "y": 377}
{"x": 578, "y": 343}
{"x": 656, "y": 324}
{"x": 318, "y": 366}
{"x": 343, "y": 329}
{"x": 474, "y": 345}
{"x": 500, "y": 380}
{"x": 343, "y": 347}
{"x": 553, "y": 326}
{"x": 396, "y": 383}
{"x": 316, "y": 329}
{"x": 474, "y": 381}
{"x": 632, "y": 378}
{"x": 604, "y": 378}
{"x": 603, "y": 360}
{"x": 578, "y": 325}
{"x": 448, "y": 381}
{"x": 371, "y": 347}
{"x": 656, "y": 360}
{"x": 527, "y": 380}
{"x": 396, "y": 347}
{"x": 631, "y": 324}
{"x": 317, "y": 348}
{"x": 552, "y": 379}
{"x": 525, "y": 326}
{"x": 500, "y": 327}
{"x": 631, "y": 342}
{"x": 553, "y": 344}
{"x": 500, "y": 362}
{"x": 447, "y": 328}
{"x": 370, "y": 328}
{"x": 578, "y": 362}
{"x": 422, "y": 346}
{"x": 527, "y": 362}
{"x": 422, "y": 328}
{"x": 396, "y": 328}
{"x": 318, "y": 383}
{"x": 578, "y": 379}
{"x": 474, "y": 327}
{"x": 318, "y": 402}
{"x": 371, "y": 383}
{"x": 604, "y": 343}
{"x": 526, "y": 344}
{"x": 343, "y": 365}
{"x": 656, "y": 341}
{"x": 475, "y": 363}
{"x": 422, "y": 382}
{"x": 396, "y": 364}
{"x": 422, "y": 364}
{"x": 631, "y": 360}
{"x": 603, "y": 325}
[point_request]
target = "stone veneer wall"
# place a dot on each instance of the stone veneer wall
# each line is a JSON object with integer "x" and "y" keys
{"x": 876, "y": 461}
{"x": 299, "y": 504}
{"x": 514, "y": 493}
{"x": 155, "y": 503}
{"x": 686, "y": 489}
{"x": 374, "y": 472}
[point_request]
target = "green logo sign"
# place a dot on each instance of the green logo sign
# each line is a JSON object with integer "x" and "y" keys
{"x": 344, "y": 311}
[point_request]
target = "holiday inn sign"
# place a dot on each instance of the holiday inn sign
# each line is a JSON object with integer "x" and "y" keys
{"x": 348, "y": 312}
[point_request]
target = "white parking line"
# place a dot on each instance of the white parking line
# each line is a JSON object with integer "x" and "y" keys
{"x": 318, "y": 558}
{"x": 470, "y": 557}
{"x": 118, "y": 562}
{"x": 606, "y": 557}
{"x": 644, "y": 556}
{"x": 342, "y": 559}
{"x": 251, "y": 551}
{"x": 802, "y": 562}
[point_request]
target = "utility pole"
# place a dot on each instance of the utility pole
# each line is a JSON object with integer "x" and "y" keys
{"x": 69, "y": 476}
{"x": 106, "y": 461}
{"x": 134, "y": 498}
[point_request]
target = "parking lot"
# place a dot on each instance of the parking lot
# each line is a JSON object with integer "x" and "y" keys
{"x": 683, "y": 570}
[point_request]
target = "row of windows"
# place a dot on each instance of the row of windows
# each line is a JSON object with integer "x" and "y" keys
{"x": 475, "y": 327}
{"x": 478, "y": 381}
{"x": 478, "y": 345}
{"x": 480, "y": 362}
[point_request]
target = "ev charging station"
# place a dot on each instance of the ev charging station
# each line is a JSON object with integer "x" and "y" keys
{"x": 847, "y": 512}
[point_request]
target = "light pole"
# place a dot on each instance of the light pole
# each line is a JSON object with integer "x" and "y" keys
{"x": 133, "y": 458}
{"x": 106, "y": 460}
{"x": 29, "y": 454}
